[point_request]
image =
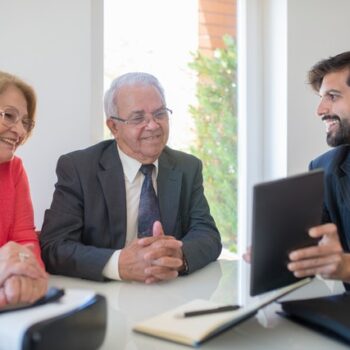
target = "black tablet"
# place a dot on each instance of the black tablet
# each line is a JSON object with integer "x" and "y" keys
{"x": 283, "y": 211}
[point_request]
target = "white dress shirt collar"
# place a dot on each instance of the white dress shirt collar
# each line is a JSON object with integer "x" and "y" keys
{"x": 131, "y": 166}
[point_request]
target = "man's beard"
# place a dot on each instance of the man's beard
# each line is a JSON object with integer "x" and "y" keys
{"x": 340, "y": 136}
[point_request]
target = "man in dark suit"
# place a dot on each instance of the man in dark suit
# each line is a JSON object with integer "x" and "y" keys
{"x": 330, "y": 78}
{"x": 90, "y": 230}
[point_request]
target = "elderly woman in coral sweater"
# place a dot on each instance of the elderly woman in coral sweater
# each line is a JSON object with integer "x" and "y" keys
{"x": 22, "y": 275}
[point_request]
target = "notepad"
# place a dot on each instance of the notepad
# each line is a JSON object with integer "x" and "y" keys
{"x": 189, "y": 331}
{"x": 193, "y": 331}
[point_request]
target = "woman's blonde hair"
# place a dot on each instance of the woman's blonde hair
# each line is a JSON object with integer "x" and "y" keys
{"x": 7, "y": 80}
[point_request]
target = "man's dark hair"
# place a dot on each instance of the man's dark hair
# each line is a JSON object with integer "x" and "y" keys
{"x": 326, "y": 66}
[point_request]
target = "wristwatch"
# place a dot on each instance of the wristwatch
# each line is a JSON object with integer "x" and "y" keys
{"x": 184, "y": 270}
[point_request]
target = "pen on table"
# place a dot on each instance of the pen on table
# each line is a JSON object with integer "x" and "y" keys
{"x": 209, "y": 311}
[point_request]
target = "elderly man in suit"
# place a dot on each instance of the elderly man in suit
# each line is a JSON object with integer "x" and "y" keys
{"x": 330, "y": 78}
{"x": 91, "y": 229}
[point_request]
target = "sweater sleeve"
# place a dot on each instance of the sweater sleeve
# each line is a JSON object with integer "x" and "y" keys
{"x": 23, "y": 229}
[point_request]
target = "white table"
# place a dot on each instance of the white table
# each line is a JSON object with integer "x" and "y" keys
{"x": 129, "y": 303}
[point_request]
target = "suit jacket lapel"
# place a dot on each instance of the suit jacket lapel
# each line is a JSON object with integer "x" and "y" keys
{"x": 169, "y": 190}
{"x": 341, "y": 164}
{"x": 111, "y": 177}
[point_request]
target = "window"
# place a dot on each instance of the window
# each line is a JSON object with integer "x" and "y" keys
{"x": 181, "y": 42}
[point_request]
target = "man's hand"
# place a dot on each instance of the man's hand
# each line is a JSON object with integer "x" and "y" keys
{"x": 151, "y": 259}
{"x": 326, "y": 259}
{"x": 165, "y": 257}
{"x": 247, "y": 255}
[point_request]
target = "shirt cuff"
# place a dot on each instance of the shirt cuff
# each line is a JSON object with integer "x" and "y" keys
{"x": 111, "y": 269}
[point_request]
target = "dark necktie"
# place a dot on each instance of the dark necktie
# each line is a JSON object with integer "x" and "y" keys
{"x": 149, "y": 208}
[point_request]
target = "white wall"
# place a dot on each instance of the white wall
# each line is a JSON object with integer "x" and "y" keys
{"x": 317, "y": 29}
{"x": 55, "y": 46}
{"x": 278, "y": 42}
{"x": 295, "y": 34}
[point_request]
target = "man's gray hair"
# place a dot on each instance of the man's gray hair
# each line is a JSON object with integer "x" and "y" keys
{"x": 133, "y": 78}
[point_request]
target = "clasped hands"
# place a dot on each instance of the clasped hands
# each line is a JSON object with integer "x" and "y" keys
{"x": 151, "y": 259}
{"x": 22, "y": 279}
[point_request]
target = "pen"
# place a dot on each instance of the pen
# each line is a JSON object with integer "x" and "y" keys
{"x": 210, "y": 311}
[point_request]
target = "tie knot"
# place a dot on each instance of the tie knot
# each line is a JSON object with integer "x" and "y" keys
{"x": 146, "y": 169}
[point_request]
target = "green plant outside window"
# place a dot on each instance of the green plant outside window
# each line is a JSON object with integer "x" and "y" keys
{"x": 215, "y": 119}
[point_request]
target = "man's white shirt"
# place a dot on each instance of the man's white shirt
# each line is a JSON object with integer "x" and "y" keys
{"x": 133, "y": 183}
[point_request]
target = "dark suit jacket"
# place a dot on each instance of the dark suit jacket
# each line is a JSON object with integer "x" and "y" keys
{"x": 336, "y": 165}
{"x": 86, "y": 222}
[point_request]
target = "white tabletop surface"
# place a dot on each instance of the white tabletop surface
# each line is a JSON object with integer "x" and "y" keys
{"x": 129, "y": 303}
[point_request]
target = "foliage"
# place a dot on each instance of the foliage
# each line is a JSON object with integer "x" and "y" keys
{"x": 215, "y": 119}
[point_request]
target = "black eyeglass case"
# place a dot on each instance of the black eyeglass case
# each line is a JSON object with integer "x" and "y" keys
{"x": 76, "y": 325}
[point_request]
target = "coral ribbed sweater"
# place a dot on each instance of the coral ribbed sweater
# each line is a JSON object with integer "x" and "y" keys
{"x": 16, "y": 210}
